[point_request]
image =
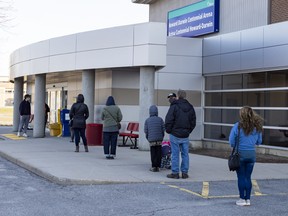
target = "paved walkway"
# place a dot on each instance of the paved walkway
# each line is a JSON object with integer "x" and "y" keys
{"x": 54, "y": 158}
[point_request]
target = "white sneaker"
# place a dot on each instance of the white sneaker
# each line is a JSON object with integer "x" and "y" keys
{"x": 18, "y": 134}
{"x": 25, "y": 135}
{"x": 248, "y": 203}
{"x": 241, "y": 202}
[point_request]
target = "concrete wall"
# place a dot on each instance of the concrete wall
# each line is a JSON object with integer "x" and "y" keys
{"x": 183, "y": 71}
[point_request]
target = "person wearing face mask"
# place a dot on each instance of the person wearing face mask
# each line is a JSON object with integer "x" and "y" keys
{"x": 25, "y": 113}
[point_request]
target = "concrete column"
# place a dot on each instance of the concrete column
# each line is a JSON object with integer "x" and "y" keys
{"x": 29, "y": 88}
{"x": 88, "y": 89}
{"x": 39, "y": 105}
{"x": 146, "y": 97}
{"x": 18, "y": 97}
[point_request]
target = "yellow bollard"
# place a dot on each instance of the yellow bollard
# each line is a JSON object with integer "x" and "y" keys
{"x": 59, "y": 122}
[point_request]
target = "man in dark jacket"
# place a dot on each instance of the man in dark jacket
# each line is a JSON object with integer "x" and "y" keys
{"x": 25, "y": 112}
{"x": 179, "y": 123}
{"x": 79, "y": 112}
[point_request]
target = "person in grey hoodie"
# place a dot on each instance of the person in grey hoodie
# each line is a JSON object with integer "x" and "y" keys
{"x": 154, "y": 130}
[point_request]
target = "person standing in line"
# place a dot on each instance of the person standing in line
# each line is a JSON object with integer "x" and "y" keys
{"x": 111, "y": 116}
{"x": 172, "y": 97}
{"x": 47, "y": 110}
{"x": 79, "y": 112}
{"x": 250, "y": 135}
{"x": 154, "y": 130}
{"x": 179, "y": 123}
{"x": 72, "y": 135}
{"x": 25, "y": 113}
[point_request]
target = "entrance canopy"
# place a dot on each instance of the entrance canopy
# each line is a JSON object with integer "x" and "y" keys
{"x": 125, "y": 46}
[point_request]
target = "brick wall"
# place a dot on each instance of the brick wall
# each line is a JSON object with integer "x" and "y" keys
{"x": 279, "y": 11}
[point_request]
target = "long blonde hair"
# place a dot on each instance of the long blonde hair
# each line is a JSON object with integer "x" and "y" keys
{"x": 250, "y": 120}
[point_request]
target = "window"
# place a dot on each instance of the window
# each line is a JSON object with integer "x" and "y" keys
{"x": 266, "y": 92}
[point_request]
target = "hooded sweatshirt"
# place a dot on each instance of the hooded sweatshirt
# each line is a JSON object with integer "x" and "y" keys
{"x": 154, "y": 126}
{"x": 111, "y": 115}
{"x": 79, "y": 112}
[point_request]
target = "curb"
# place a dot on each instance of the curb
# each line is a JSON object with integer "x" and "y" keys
{"x": 56, "y": 180}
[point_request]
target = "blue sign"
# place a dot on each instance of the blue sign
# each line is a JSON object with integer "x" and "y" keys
{"x": 194, "y": 20}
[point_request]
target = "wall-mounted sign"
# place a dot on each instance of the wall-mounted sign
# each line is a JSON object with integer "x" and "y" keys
{"x": 194, "y": 20}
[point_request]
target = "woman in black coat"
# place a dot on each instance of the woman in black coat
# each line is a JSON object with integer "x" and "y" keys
{"x": 79, "y": 113}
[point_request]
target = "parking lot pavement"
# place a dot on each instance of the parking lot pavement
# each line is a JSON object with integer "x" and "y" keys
{"x": 54, "y": 159}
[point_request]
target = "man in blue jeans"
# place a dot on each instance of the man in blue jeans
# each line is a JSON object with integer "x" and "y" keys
{"x": 179, "y": 123}
{"x": 25, "y": 113}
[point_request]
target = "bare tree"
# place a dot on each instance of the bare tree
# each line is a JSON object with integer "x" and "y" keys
{"x": 5, "y": 9}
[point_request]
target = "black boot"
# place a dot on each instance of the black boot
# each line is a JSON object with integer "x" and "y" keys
{"x": 77, "y": 149}
{"x": 86, "y": 148}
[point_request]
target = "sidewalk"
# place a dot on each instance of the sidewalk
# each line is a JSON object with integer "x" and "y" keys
{"x": 54, "y": 159}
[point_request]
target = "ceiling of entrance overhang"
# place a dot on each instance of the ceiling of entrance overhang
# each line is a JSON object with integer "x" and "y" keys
{"x": 60, "y": 77}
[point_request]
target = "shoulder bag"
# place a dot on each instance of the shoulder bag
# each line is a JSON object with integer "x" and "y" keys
{"x": 234, "y": 158}
{"x": 71, "y": 120}
{"x": 118, "y": 123}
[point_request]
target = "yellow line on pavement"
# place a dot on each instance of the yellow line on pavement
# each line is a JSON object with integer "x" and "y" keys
{"x": 185, "y": 190}
{"x": 13, "y": 136}
{"x": 256, "y": 188}
{"x": 205, "y": 189}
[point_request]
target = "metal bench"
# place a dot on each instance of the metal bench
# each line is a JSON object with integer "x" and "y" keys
{"x": 130, "y": 134}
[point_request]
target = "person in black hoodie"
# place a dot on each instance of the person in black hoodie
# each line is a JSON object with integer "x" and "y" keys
{"x": 25, "y": 113}
{"x": 179, "y": 123}
{"x": 79, "y": 112}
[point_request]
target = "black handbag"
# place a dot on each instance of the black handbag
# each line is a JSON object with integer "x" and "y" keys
{"x": 234, "y": 158}
{"x": 71, "y": 122}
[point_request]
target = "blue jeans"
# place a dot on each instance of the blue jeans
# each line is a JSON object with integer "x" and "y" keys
{"x": 247, "y": 160}
{"x": 179, "y": 145}
{"x": 110, "y": 143}
{"x": 80, "y": 132}
{"x": 24, "y": 121}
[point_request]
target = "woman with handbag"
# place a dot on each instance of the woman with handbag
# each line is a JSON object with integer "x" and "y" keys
{"x": 250, "y": 135}
{"x": 78, "y": 114}
{"x": 111, "y": 116}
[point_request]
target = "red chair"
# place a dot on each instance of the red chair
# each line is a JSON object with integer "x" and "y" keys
{"x": 130, "y": 134}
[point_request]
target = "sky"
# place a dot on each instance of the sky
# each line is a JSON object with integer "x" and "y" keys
{"x": 37, "y": 20}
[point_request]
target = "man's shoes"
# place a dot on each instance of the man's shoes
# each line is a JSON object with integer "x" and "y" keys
{"x": 18, "y": 134}
{"x": 185, "y": 175}
{"x": 109, "y": 157}
{"x": 173, "y": 175}
{"x": 25, "y": 135}
{"x": 154, "y": 169}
